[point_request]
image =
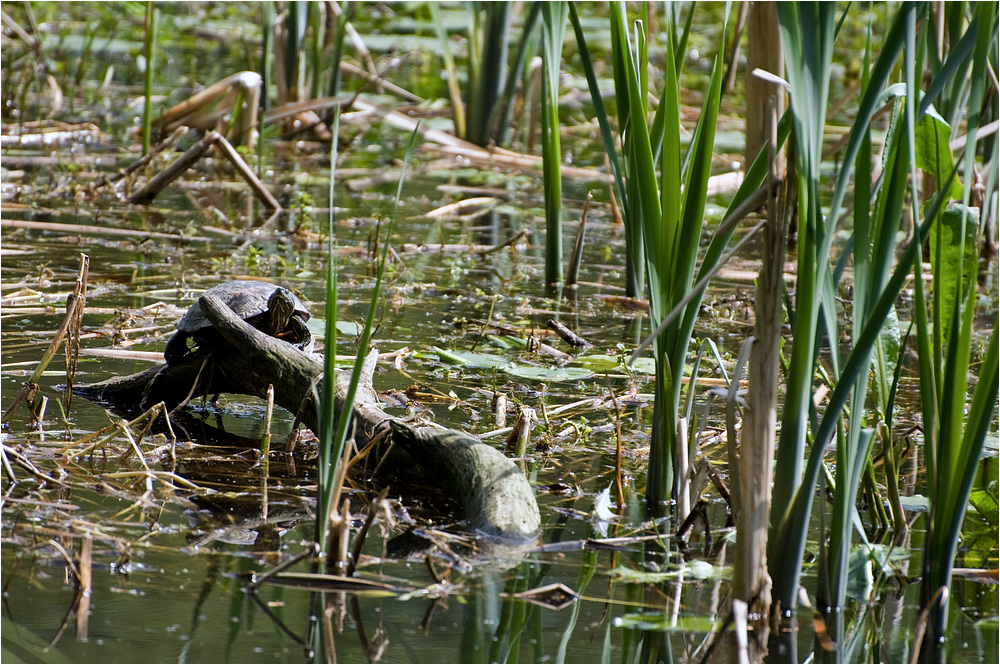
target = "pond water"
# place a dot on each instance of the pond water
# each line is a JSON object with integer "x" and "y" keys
{"x": 170, "y": 559}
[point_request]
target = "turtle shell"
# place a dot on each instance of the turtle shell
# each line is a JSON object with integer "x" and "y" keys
{"x": 247, "y": 298}
{"x": 250, "y": 300}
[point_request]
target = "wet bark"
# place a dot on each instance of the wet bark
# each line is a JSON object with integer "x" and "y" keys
{"x": 497, "y": 498}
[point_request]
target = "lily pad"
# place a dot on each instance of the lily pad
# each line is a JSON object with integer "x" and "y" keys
{"x": 470, "y": 358}
{"x": 600, "y": 362}
{"x": 317, "y": 326}
{"x": 549, "y": 373}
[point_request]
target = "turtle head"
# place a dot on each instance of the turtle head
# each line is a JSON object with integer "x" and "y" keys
{"x": 280, "y": 307}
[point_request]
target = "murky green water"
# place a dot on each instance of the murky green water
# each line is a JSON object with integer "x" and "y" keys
{"x": 171, "y": 564}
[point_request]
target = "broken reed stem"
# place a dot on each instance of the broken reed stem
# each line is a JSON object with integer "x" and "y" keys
{"x": 76, "y": 301}
{"x": 337, "y": 542}
{"x": 577, "y": 257}
{"x": 521, "y": 431}
{"x": 8, "y": 469}
{"x": 174, "y": 170}
{"x": 86, "y": 570}
{"x": 41, "y": 411}
{"x": 262, "y": 193}
{"x": 168, "y": 142}
{"x": 265, "y": 442}
{"x": 498, "y": 405}
{"x": 75, "y": 315}
{"x": 265, "y": 450}
{"x": 683, "y": 469}
{"x": 510, "y": 242}
{"x": 568, "y": 335}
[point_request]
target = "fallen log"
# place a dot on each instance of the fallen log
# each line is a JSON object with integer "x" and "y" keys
{"x": 498, "y": 501}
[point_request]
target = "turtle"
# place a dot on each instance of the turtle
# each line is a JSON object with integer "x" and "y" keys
{"x": 270, "y": 309}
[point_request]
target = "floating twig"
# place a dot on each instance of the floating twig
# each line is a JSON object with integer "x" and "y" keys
{"x": 568, "y": 335}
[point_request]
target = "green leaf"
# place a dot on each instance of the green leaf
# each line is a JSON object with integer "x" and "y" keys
{"x": 470, "y": 358}
{"x": 599, "y": 362}
{"x": 952, "y": 257}
{"x": 549, "y": 373}
{"x": 932, "y": 151}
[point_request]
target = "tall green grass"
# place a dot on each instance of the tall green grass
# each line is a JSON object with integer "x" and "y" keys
{"x": 880, "y": 271}
{"x": 554, "y": 16}
{"x": 955, "y": 427}
{"x": 149, "y": 50}
{"x": 333, "y": 430}
{"x": 661, "y": 190}
{"x": 489, "y": 37}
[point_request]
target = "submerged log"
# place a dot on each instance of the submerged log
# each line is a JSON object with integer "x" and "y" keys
{"x": 497, "y": 499}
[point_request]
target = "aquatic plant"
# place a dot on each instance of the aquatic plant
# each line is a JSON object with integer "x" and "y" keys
{"x": 808, "y": 33}
{"x": 554, "y": 16}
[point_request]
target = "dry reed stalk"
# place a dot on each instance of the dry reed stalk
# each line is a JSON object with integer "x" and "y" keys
{"x": 619, "y": 493}
{"x": 193, "y": 111}
{"x": 83, "y": 603}
{"x": 262, "y": 193}
{"x": 173, "y": 171}
{"x": 75, "y": 302}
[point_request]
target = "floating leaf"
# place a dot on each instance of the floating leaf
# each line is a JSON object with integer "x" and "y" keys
{"x": 549, "y": 373}
{"x": 600, "y": 362}
{"x": 917, "y": 503}
{"x": 470, "y": 358}
{"x": 317, "y": 326}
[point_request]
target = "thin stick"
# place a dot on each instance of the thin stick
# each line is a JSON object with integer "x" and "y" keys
{"x": 265, "y": 442}
{"x": 568, "y": 335}
{"x": 262, "y": 193}
{"x": 86, "y": 569}
{"x": 359, "y": 539}
{"x": 83, "y": 229}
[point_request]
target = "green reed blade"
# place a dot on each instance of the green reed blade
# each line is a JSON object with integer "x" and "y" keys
{"x": 149, "y": 51}
{"x": 554, "y": 15}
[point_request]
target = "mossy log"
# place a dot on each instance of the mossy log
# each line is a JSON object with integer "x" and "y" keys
{"x": 497, "y": 498}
